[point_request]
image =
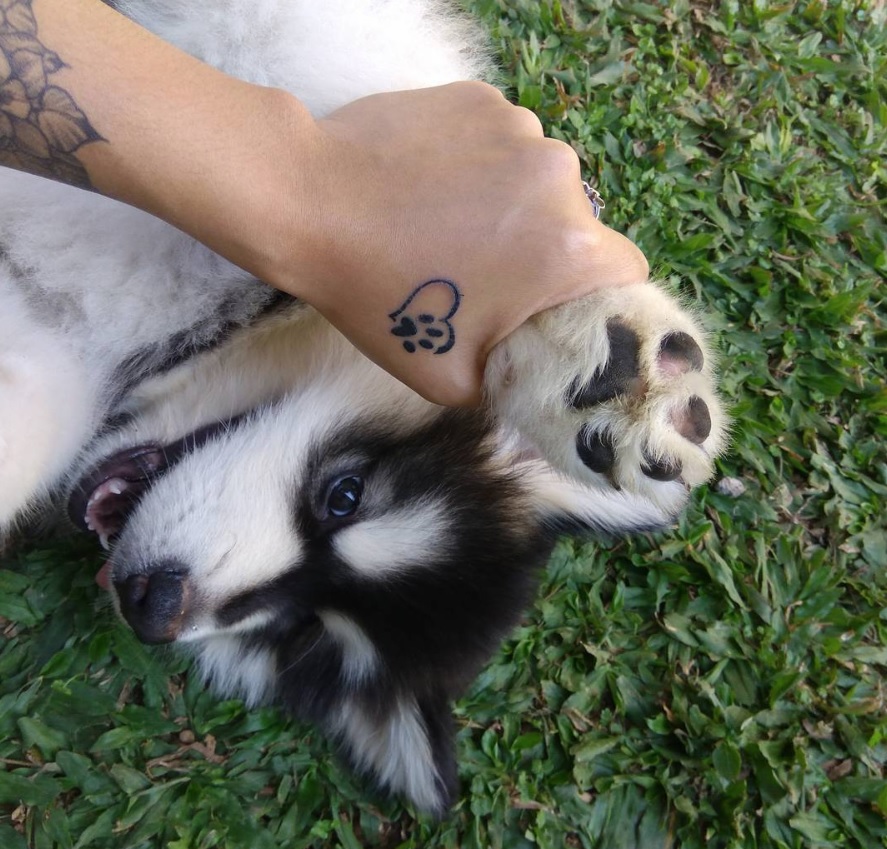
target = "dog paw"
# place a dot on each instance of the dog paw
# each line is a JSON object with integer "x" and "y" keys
{"x": 617, "y": 390}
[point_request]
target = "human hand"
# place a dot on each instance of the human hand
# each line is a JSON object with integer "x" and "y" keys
{"x": 454, "y": 185}
{"x": 355, "y": 212}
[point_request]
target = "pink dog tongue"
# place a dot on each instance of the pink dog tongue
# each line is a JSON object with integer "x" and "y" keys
{"x": 103, "y": 578}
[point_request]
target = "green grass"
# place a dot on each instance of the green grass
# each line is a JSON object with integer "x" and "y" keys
{"x": 720, "y": 686}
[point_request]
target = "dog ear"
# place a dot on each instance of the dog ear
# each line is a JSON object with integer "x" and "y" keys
{"x": 397, "y": 732}
{"x": 571, "y": 507}
{"x": 406, "y": 744}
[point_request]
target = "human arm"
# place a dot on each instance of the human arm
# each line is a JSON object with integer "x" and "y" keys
{"x": 351, "y": 213}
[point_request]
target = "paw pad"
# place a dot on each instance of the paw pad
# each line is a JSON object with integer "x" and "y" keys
{"x": 662, "y": 470}
{"x": 596, "y": 449}
{"x": 695, "y": 424}
{"x": 620, "y": 376}
{"x": 636, "y": 386}
{"x": 680, "y": 353}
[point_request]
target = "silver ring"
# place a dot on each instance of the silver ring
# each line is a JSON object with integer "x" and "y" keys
{"x": 594, "y": 198}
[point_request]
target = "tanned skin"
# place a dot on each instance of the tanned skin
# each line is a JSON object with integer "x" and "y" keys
{"x": 355, "y": 213}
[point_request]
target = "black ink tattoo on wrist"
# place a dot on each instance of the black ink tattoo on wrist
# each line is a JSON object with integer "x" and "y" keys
{"x": 421, "y": 322}
{"x": 41, "y": 127}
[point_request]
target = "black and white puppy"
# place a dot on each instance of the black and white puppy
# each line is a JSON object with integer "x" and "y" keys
{"x": 314, "y": 532}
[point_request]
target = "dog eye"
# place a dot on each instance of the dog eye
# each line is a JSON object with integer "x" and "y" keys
{"x": 344, "y": 497}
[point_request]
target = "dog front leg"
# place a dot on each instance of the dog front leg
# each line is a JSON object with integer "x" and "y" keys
{"x": 46, "y": 407}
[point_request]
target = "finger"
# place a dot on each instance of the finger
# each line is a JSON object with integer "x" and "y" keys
{"x": 525, "y": 122}
{"x": 596, "y": 258}
{"x": 617, "y": 261}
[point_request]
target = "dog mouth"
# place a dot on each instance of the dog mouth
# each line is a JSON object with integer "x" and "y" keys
{"x": 105, "y": 497}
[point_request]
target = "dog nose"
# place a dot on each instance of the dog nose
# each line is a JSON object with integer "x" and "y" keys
{"x": 154, "y": 601}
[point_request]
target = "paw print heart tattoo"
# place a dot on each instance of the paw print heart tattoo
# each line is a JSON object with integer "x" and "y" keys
{"x": 423, "y": 319}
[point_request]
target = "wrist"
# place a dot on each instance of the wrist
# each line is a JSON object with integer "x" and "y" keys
{"x": 260, "y": 209}
{"x": 289, "y": 230}
{"x": 270, "y": 202}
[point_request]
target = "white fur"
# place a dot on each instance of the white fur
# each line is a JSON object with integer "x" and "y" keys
{"x": 231, "y": 669}
{"x": 327, "y": 54}
{"x": 394, "y": 541}
{"x": 359, "y": 657}
{"x": 556, "y": 495}
{"x": 46, "y": 409}
{"x": 395, "y": 748}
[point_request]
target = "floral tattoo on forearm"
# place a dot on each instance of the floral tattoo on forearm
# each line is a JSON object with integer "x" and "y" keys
{"x": 41, "y": 127}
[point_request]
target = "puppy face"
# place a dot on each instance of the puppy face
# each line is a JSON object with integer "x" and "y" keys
{"x": 351, "y": 554}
